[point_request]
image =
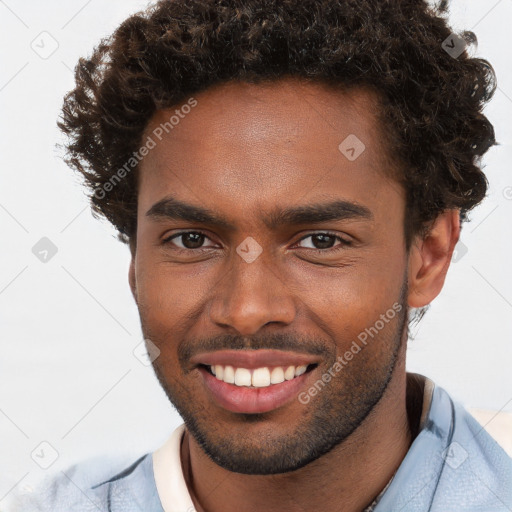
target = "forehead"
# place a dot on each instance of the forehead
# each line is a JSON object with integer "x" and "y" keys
{"x": 277, "y": 113}
{"x": 267, "y": 141}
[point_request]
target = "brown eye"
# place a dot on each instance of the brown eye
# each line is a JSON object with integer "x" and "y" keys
{"x": 187, "y": 240}
{"x": 324, "y": 241}
{"x": 192, "y": 240}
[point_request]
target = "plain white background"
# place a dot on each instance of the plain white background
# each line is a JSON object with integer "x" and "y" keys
{"x": 69, "y": 326}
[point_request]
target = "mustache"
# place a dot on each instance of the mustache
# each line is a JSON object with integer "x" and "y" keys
{"x": 275, "y": 341}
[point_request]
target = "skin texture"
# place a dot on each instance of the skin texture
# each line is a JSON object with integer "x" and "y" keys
{"x": 242, "y": 152}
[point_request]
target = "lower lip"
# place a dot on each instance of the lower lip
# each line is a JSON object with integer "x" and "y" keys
{"x": 247, "y": 400}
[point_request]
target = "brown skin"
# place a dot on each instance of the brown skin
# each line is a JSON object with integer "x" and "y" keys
{"x": 242, "y": 151}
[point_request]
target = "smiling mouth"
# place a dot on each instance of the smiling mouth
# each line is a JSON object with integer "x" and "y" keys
{"x": 262, "y": 377}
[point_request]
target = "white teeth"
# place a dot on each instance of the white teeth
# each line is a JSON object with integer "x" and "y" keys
{"x": 277, "y": 375}
{"x": 289, "y": 373}
{"x": 242, "y": 377}
{"x": 229, "y": 375}
{"x": 300, "y": 370}
{"x": 259, "y": 377}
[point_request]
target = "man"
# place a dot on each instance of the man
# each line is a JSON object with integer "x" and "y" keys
{"x": 291, "y": 177}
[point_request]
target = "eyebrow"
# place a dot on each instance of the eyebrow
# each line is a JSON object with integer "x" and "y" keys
{"x": 172, "y": 208}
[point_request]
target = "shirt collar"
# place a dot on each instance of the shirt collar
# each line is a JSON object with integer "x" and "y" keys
{"x": 428, "y": 392}
{"x": 170, "y": 482}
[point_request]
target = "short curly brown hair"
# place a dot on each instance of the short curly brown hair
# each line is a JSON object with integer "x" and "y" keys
{"x": 431, "y": 99}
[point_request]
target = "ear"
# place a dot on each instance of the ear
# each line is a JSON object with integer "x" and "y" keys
{"x": 430, "y": 257}
{"x": 131, "y": 278}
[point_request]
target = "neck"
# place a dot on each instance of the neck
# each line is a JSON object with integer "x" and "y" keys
{"x": 364, "y": 463}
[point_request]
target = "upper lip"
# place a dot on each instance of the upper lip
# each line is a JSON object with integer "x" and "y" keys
{"x": 251, "y": 359}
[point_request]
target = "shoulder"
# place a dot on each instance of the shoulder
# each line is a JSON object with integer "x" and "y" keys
{"x": 476, "y": 472}
{"x": 96, "y": 484}
{"x": 452, "y": 465}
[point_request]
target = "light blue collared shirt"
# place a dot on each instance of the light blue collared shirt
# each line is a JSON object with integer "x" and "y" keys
{"x": 453, "y": 465}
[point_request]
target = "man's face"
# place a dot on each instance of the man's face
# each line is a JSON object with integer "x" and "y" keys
{"x": 246, "y": 153}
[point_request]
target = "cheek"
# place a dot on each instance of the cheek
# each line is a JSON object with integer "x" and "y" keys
{"x": 169, "y": 296}
{"x": 348, "y": 299}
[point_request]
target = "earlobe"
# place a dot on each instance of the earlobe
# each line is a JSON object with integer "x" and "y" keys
{"x": 132, "y": 279}
{"x": 430, "y": 257}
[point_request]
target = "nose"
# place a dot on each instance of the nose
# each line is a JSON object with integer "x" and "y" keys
{"x": 250, "y": 296}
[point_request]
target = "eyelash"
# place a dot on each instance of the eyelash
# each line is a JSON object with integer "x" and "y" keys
{"x": 342, "y": 246}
